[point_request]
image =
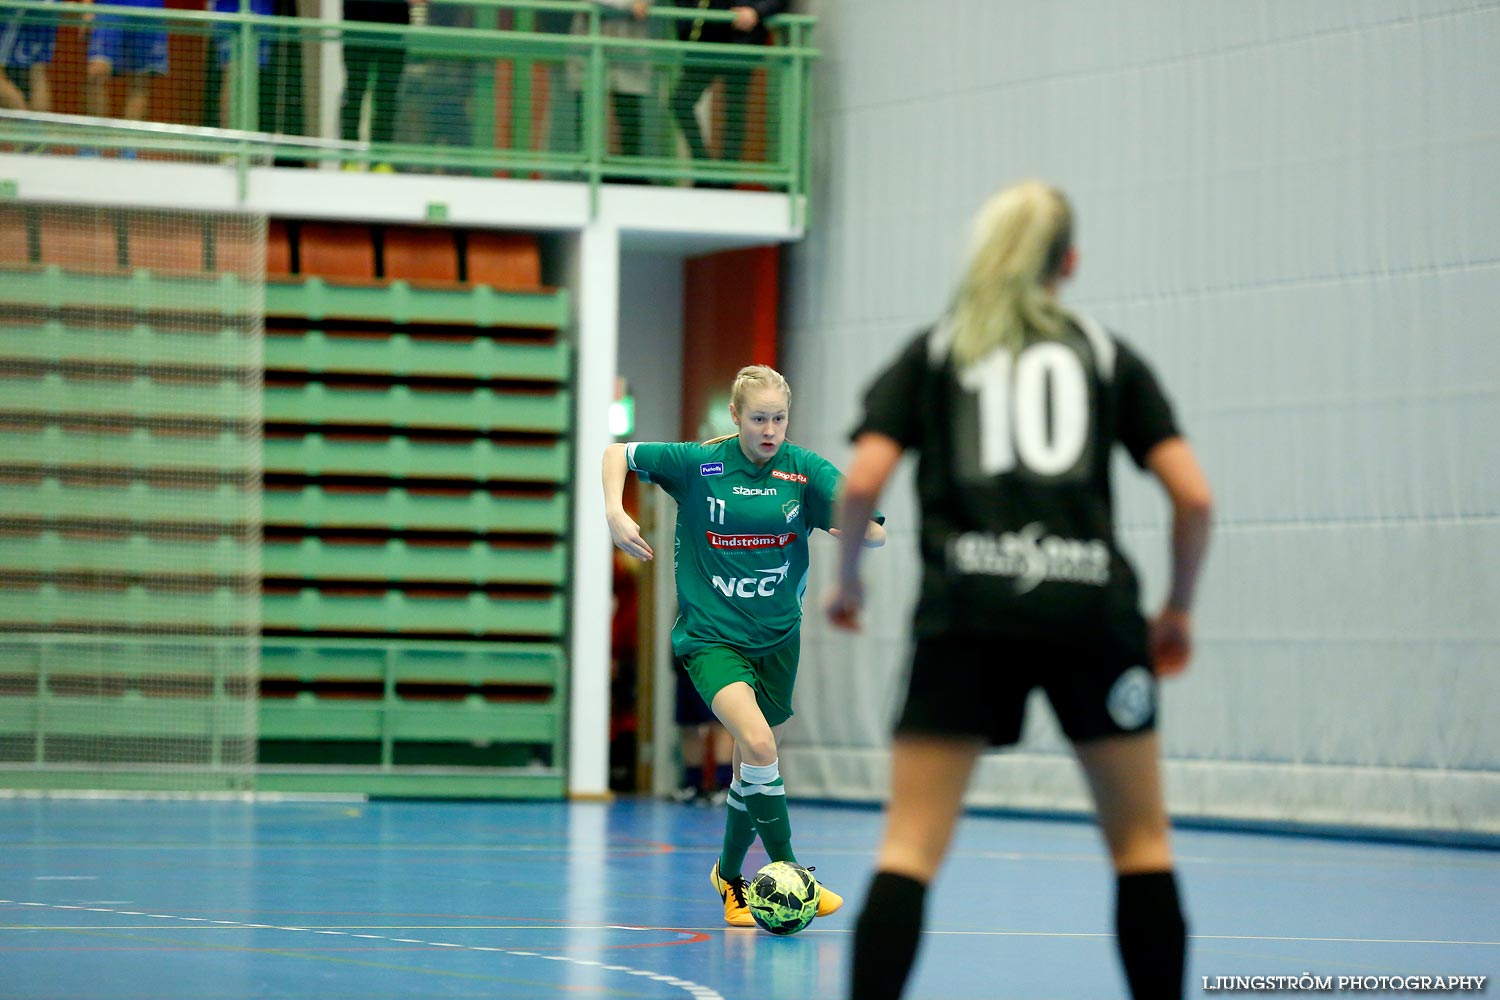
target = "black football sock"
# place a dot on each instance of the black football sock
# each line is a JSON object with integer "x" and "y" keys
{"x": 886, "y": 936}
{"x": 1152, "y": 934}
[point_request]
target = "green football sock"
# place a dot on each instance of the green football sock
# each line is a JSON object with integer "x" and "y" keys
{"x": 765, "y": 800}
{"x": 739, "y": 834}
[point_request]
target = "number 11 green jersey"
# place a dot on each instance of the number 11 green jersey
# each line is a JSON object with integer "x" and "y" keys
{"x": 740, "y": 555}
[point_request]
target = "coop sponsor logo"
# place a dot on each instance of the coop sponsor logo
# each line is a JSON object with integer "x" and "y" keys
{"x": 780, "y": 541}
{"x": 1031, "y": 557}
{"x": 763, "y": 585}
{"x": 791, "y": 477}
{"x": 711, "y": 469}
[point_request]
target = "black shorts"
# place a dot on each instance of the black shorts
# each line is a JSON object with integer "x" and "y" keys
{"x": 977, "y": 685}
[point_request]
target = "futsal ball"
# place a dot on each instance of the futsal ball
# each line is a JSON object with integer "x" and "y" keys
{"x": 783, "y": 897}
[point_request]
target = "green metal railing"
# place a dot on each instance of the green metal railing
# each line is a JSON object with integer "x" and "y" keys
{"x": 546, "y": 89}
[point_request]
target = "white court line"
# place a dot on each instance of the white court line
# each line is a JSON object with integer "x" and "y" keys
{"x": 220, "y": 925}
{"x": 1380, "y": 856}
{"x": 1192, "y": 937}
{"x": 697, "y": 990}
{"x": 1337, "y": 940}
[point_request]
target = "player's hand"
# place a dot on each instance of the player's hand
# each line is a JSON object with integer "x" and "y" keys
{"x": 626, "y": 535}
{"x": 844, "y": 604}
{"x": 874, "y": 535}
{"x": 1171, "y": 639}
{"x": 745, "y": 18}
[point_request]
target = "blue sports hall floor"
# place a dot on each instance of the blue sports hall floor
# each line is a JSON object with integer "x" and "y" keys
{"x": 329, "y": 900}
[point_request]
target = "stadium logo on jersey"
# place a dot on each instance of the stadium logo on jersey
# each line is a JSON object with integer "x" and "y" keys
{"x": 761, "y": 586}
{"x": 711, "y": 469}
{"x": 1031, "y": 557}
{"x": 791, "y": 509}
{"x": 791, "y": 477}
{"x": 1132, "y": 699}
{"x": 755, "y": 491}
{"x": 718, "y": 541}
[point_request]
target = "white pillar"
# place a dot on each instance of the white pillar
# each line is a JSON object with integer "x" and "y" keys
{"x": 596, "y": 284}
{"x": 666, "y": 773}
{"x": 330, "y": 63}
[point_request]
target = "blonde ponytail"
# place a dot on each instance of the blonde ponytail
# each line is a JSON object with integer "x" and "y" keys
{"x": 1021, "y": 237}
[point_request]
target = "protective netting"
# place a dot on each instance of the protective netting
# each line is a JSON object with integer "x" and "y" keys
{"x": 130, "y": 400}
{"x": 1306, "y": 248}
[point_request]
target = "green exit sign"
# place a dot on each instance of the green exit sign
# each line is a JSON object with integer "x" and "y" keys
{"x": 9, "y": 189}
{"x": 437, "y": 211}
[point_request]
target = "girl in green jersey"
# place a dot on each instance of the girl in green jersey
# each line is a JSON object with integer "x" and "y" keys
{"x": 746, "y": 505}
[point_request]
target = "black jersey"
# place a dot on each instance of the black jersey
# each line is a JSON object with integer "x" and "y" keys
{"x": 1013, "y": 479}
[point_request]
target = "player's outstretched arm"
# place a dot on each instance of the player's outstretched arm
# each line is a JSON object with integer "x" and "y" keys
{"x": 1174, "y": 464}
{"x": 875, "y": 458}
{"x": 623, "y": 530}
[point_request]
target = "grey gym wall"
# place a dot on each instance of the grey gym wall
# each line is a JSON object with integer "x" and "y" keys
{"x": 1291, "y": 209}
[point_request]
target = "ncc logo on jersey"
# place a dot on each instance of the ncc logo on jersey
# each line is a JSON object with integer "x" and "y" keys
{"x": 711, "y": 469}
{"x": 761, "y": 586}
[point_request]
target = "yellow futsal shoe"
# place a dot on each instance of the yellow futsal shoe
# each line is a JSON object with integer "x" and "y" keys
{"x": 828, "y": 900}
{"x": 732, "y": 892}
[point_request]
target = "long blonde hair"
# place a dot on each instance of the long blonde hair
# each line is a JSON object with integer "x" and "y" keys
{"x": 753, "y": 377}
{"x": 1021, "y": 239}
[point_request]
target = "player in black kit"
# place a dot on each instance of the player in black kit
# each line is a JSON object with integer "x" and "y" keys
{"x": 1013, "y": 404}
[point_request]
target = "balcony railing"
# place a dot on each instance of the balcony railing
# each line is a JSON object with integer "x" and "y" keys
{"x": 544, "y": 89}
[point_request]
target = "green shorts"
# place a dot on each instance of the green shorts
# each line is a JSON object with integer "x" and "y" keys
{"x": 772, "y": 676}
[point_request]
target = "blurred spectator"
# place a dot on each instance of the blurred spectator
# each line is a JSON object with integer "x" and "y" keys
{"x": 748, "y": 28}
{"x": 26, "y": 45}
{"x": 629, "y": 81}
{"x": 373, "y": 64}
{"x": 707, "y": 748}
{"x": 280, "y": 94}
{"x": 436, "y": 93}
{"x": 282, "y": 97}
{"x": 702, "y": 782}
{"x": 133, "y": 47}
{"x": 224, "y": 43}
